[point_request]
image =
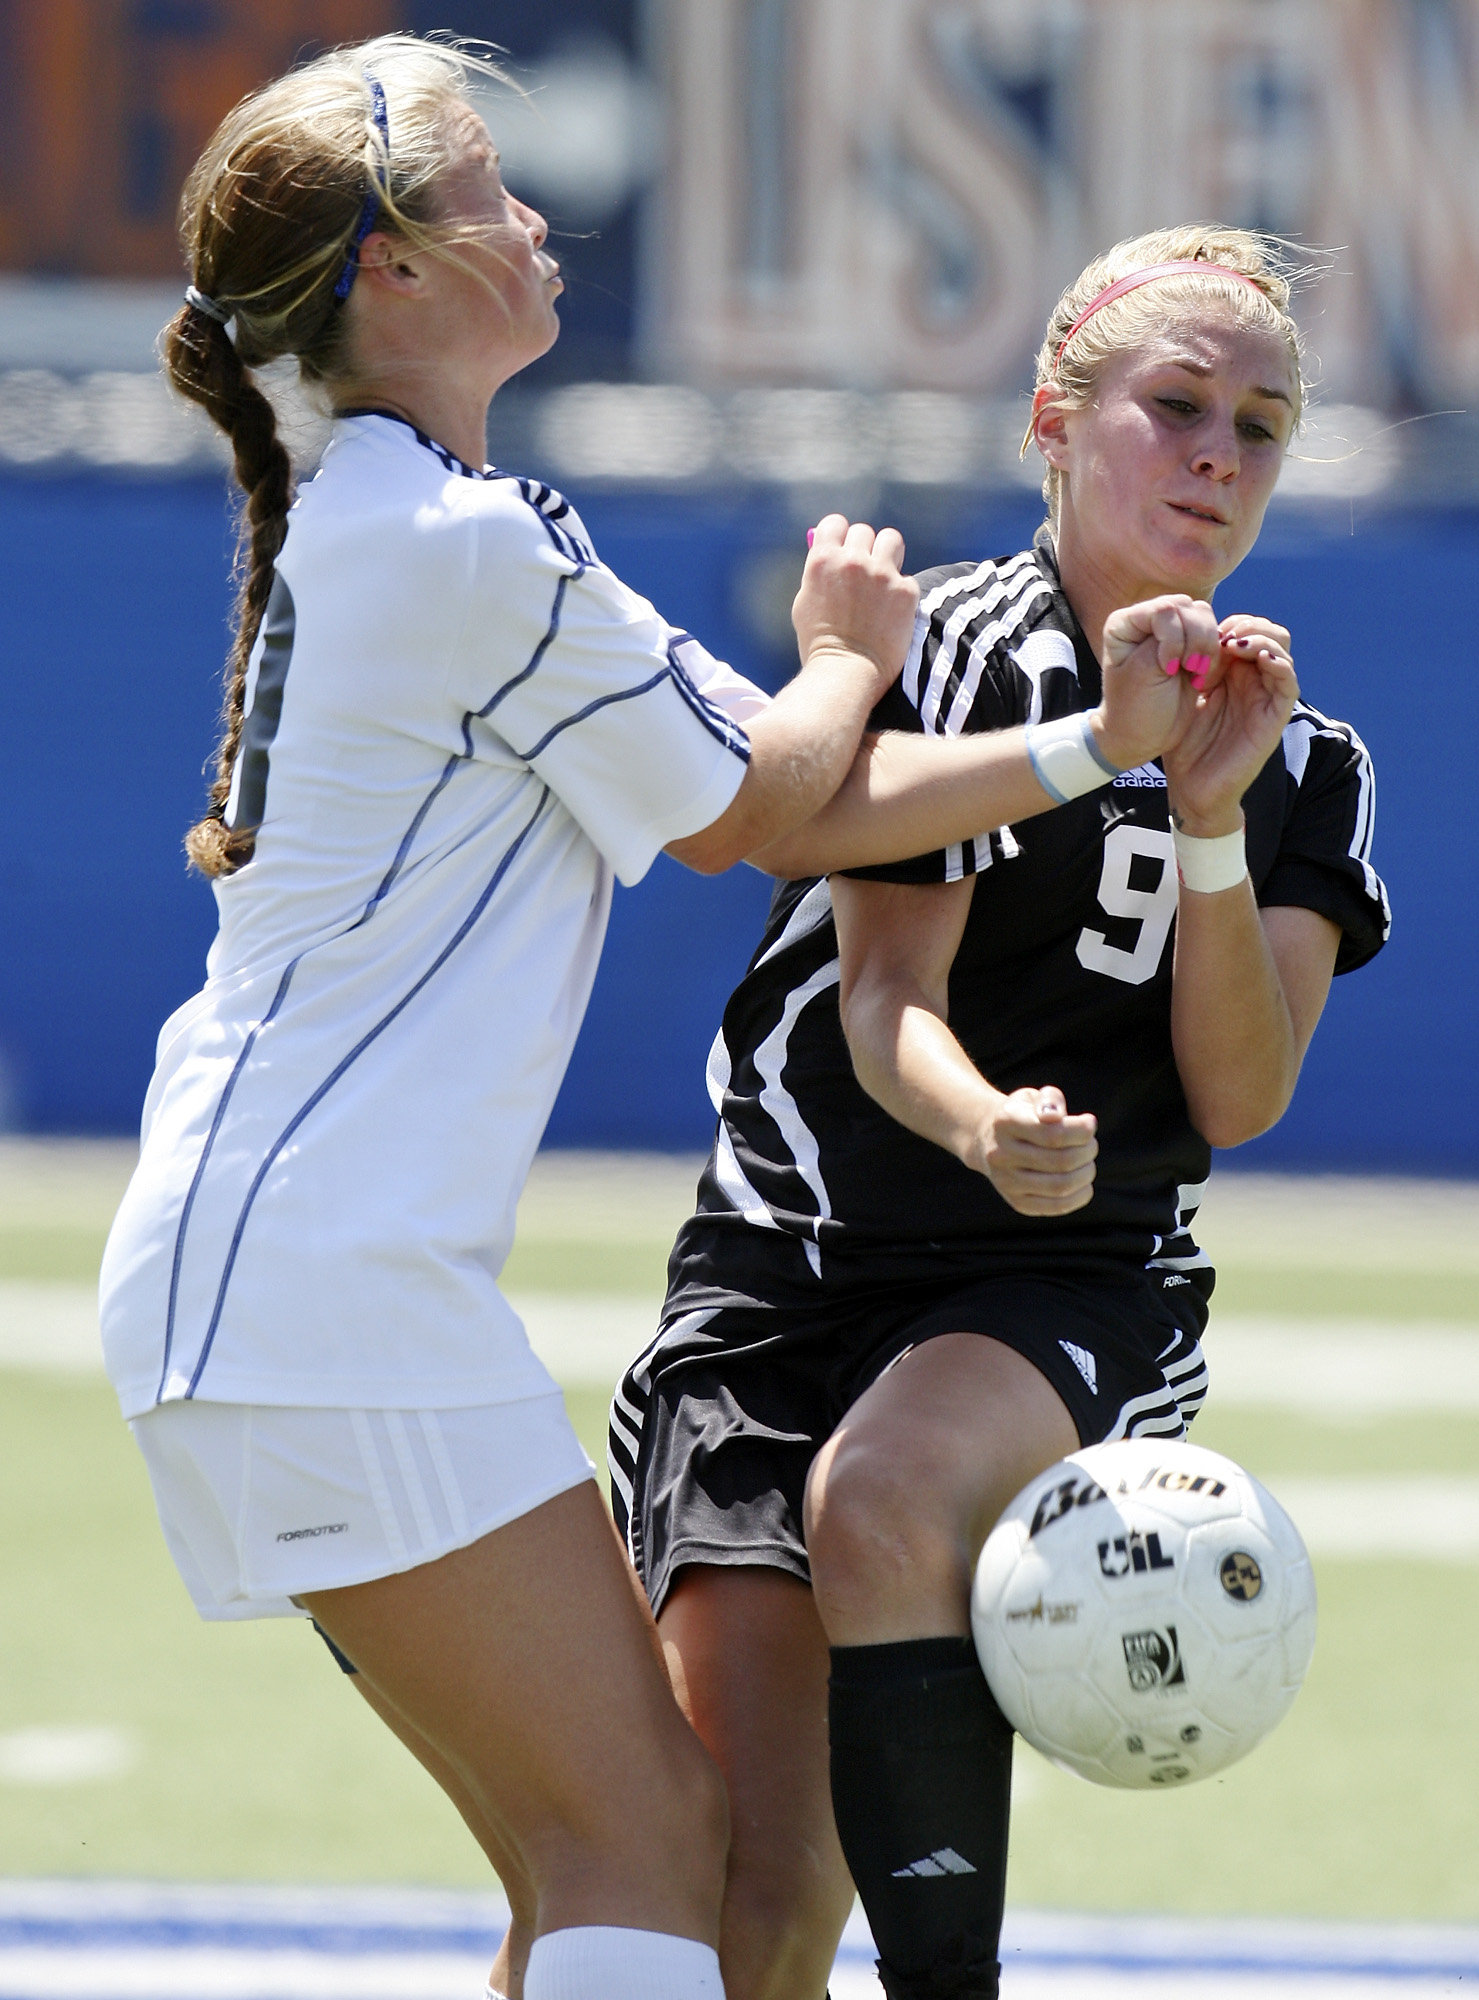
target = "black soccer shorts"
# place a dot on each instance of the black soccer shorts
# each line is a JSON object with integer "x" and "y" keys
{"x": 714, "y": 1427}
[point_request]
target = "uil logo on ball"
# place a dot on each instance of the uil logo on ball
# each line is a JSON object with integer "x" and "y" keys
{"x": 1241, "y": 1576}
{"x": 1135, "y": 1552}
{"x": 1153, "y": 1659}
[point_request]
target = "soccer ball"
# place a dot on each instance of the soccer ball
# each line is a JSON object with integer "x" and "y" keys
{"x": 1144, "y": 1613}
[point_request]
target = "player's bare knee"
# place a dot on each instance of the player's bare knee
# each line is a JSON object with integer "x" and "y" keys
{"x": 785, "y": 1883}
{"x": 876, "y": 1526}
{"x": 675, "y": 1836}
{"x": 666, "y": 1820}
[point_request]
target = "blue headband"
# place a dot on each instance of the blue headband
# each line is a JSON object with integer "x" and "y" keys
{"x": 371, "y": 208}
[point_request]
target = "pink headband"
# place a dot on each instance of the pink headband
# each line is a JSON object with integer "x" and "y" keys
{"x": 1194, "y": 266}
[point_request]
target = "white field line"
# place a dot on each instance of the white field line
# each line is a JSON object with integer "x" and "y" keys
{"x": 69, "y": 1754}
{"x": 1336, "y": 1367}
{"x": 1095, "y": 1983}
{"x": 1343, "y": 1368}
{"x": 1364, "y": 1520}
{"x": 208, "y": 1975}
{"x": 1289, "y": 1221}
{"x": 121, "y": 1941}
{"x": 244, "y": 1975}
{"x": 444, "y": 1977}
{"x": 587, "y": 1340}
{"x": 53, "y": 1329}
{"x": 50, "y": 1328}
{"x": 213, "y": 1973}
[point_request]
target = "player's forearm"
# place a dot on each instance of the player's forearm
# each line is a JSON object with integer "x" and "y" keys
{"x": 906, "y": 1058}
{"x": 1231, "y": 1028}
{"x": 801, "y": 749}
{"x": 907, "y": 795}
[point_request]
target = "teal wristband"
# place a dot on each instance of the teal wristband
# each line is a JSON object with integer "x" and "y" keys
{"x": 1066, "y": 760}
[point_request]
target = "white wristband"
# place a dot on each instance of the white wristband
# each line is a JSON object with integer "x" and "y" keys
{"x": 1065, "y": 759}
{"x": 1208, "y": 866}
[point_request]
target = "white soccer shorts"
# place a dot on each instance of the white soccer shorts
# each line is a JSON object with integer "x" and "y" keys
{"x": 261, "y": 1504}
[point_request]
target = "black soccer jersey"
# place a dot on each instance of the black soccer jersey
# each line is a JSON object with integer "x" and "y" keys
{"x": 1063, "y": 977}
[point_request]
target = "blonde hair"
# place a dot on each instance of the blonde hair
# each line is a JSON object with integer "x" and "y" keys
{"x": 268, "y": 223}
{"x": 1131, "y": 320}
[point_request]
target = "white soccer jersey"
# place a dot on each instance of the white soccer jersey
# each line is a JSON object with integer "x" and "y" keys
{"x": 460, "y": 727}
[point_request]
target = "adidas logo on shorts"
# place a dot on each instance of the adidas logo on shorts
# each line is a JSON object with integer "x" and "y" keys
{"x": 1084, "y": 1362}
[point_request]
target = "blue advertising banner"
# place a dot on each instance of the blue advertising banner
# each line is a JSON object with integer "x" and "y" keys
{"x": 116, "y": 599}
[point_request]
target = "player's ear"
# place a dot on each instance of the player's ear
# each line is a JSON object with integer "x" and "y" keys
{"x": 1049, "y": 427}
{"x": 384, "y": 262}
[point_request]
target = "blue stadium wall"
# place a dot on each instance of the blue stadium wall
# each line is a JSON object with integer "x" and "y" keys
{"x": 115, "y": 598}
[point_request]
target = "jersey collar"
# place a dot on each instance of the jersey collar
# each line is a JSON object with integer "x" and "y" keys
{"x": 1090, "y": 680}
{"x": 448, "y": 458}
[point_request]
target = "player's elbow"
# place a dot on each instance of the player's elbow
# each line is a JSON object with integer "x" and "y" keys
{"x": 1239, "y": 1094}
{"x": 1235, "y": 1123}
{"x": 1223, "y": 1135}
{"x": 794, "y": 857}
{"x": 704, "y": 858}
{"x": 748, "y": 825}
{"x": 713, "y": 848}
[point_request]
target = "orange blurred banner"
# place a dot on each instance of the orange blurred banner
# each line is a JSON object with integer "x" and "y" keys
{"x": 104, "y": 105}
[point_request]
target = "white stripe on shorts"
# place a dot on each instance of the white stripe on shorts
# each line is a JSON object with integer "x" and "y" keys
{"x": 441, "y": 1464}
{"x": 400, "y": 1444}
{"x": 369, "y": 1458}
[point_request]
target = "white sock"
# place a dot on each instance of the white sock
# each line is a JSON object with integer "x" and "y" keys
{"x": 599, "y": 1962}
{"x": 494, "y": 1994}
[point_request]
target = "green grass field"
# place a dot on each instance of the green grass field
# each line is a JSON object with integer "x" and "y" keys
{"x": 245, "y": 1755}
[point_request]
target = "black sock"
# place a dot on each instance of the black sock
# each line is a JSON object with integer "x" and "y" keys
{"x": 921, "y": 1785}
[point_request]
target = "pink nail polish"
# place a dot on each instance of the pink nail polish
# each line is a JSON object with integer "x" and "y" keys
{"x": 1171, "y": 667}
{"x": 811, "y": 535}
{"x": 1199, "y": 682}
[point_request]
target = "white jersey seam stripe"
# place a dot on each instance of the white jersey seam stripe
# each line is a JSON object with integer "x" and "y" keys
{"x": 601, "y": 701}
{"x": 416, "y": 825}
{"x": 556, "y": 611}
{"x": 505, "y": 863}
{"x": 199, "y": 1174}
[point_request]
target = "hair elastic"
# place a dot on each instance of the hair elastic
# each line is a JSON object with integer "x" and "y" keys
{"x": 1133, "y": 280}
{"x": 198, "y": 299}
{"x": 371, "y": 207}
